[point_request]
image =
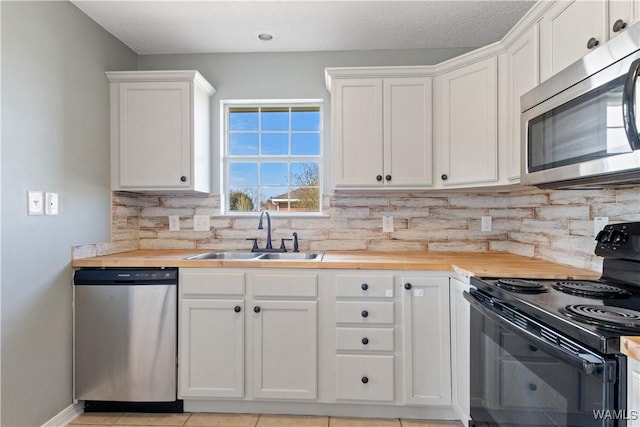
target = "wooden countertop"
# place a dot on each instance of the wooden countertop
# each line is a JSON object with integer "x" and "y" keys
{"x": 631, "y": 347}
{"x": 489, "y": 264}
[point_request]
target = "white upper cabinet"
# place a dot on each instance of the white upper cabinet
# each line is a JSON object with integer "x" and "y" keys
{"x": 570, "y": 29}
{"x": 522, "y": 75}
{"x": 466, "y": 124}
{"x": 160, "y": 131}
{"x": 381, "y": 130}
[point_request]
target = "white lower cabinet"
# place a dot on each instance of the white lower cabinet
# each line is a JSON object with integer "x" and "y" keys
{"x": 425, "y": 337}
{"x": 633, "y": 392}
{"x": 365, "y": 377}
{"x": 279, "y": 329}
{"x": 460, "y": 357}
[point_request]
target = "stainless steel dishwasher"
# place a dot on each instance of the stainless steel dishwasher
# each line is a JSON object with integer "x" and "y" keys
{"x": 125, "y": 338}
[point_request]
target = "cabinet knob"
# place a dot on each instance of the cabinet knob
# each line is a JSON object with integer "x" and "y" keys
{"x": 593, "y": 42}
{"x": 619, "y": 25}
{"x": 237, "y": 309}
{"x": 378, "y": 177}
{"x": 365, "y": 340}
{"x": 533, "y": 387}
{"x": 407, "y": 286}
{"x": 256, "y": 309}
{"x": 444, "y": 177}
{"x": 364, "y": 380}
{"x": 365, "y": 313}
{"x": 364, "y": 286}
{"x": 388, "y": 177}
{"x": 183, "y": 178}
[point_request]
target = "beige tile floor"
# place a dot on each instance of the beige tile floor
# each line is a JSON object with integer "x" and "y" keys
{"x": 97, "y": 419}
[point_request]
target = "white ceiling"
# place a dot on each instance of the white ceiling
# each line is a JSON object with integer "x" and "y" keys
{"x": 181, "y": 26}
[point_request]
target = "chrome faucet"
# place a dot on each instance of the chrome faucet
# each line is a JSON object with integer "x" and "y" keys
{"x": 269, "y": 245}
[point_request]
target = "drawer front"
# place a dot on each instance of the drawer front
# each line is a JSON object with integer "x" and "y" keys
{"x": 349, "y": 286}
{"x": 195, "y": 282}
{"x": 365, "y": 312}
{"x": 364, "y": 377}
{"x": 285, "y": 285}
{"x": 364, "y": 339}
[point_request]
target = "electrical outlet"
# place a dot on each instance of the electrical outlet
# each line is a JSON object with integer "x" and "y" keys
{"x": 51, "y": 203}
{"x": 201, "y": 223}
{"x": 486, "y": 223}
{"x": 598, "y": 224}
{"x": 387, "y": 224}
{"x": 174, "y": 223}
{"x": 35, "y": 203}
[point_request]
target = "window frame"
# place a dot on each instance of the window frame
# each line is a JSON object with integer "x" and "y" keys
{"x": 225, "y": 158}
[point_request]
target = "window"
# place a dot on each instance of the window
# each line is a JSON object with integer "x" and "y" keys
{"x": 272, "y": 157}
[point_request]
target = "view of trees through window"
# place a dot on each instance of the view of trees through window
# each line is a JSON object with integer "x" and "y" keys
{"x": 273, "y": 158}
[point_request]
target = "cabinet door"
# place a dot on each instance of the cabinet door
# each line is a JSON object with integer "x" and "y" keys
{"x": 357, "y": 132}
{"x": 633, "y": 392}
{"x": 425, "y": 337}
{"x": 624, "y": 11}
{"x": 460, "y": 349}
{"x": 408, "y": 132}
{"x": 211, "y": 351}
{"x": 285, "y": 352}
{"x": 467, "y": 124}
{"x": 522, "y": 76}
{"x": 566, "y": 30}
{"x": 155, "y": 134}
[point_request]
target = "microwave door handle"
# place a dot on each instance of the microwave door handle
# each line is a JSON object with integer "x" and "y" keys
{"x": 587, "y": 363}
{"x": 629, "y": 113}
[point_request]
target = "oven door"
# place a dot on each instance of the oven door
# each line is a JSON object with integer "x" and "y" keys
{"x": 519, "y": 377}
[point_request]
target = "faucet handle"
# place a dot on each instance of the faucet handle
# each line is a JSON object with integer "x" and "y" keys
{"x": 283, "y": 248}
{"x": 295, "y": 242}
{"x": 255, "y": 244}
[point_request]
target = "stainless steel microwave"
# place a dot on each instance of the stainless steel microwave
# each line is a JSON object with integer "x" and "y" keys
{"x": 580, "y": 128}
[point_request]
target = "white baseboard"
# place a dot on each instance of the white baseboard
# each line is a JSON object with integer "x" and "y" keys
{"x": 67, "y": 415}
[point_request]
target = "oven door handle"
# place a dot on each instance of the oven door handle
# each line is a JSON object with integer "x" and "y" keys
{"x": 589, "y": 366}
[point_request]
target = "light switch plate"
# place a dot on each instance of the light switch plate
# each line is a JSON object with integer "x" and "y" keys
{"x": 51, "y": 203}
{"x": 486, "y": 223}
{"x": 174, "y": 223}
{"x": 598, "y": 224}
{"x": 35, "y": 203}
{"x": 387, "y": 224}
{"x": 201, "y": 223}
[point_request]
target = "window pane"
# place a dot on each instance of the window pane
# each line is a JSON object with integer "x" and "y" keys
{"x": 243, "y": 174}
{"x": 275, "y": 119}
{"x": 275, "y": 144}
{"x": 305, "y": 199}
{"x": 273, "y": 174}
{"x": 243, "y": 144}
{"x": 304, "y": 174}
{"x": 305, "y": 144}
{"x": 305, "y": 118}
{"x": 243, "y": 199}
{"x": 274, "y": 198}
{"x": 242, "y": 118}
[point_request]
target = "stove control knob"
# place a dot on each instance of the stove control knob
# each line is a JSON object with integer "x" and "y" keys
{"x": 620, "y": 238}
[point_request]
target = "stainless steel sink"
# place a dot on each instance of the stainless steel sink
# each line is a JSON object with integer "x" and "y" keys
{"x": 226, "y": 255}
{"x": 259, "y": 256}
{"x": 291, "y": 256}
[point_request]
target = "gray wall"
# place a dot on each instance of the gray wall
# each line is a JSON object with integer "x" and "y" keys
{"x": 55, "y": 137}
{"x": 282, "y": 76}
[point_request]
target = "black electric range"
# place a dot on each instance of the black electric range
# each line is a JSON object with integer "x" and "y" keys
{"x": 596, "y": 313}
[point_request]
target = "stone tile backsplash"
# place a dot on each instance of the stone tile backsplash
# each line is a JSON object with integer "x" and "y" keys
{"x": 552, "y": 225}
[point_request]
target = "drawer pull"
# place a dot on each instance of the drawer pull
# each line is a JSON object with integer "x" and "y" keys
{"x": 533, "y": 387}
{"x": 365, "y": 313}
{"x": 364, "y": 380}
{"x": 256, "y": 309}
{"x": 407, "y": 286}
{"x": 237, "y": 309}
{"x": 364, "y": 286}
{"x": 365, "y": 340}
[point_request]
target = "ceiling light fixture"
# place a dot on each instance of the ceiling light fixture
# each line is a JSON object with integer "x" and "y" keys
{"x": 265, "y": 37}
